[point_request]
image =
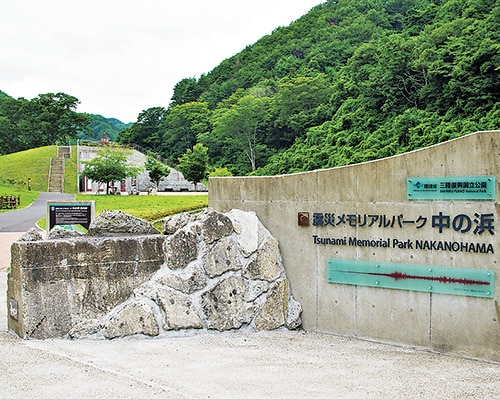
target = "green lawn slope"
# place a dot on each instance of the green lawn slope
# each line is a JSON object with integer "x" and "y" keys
{"x": 26, "y": 173}
{"x": 33, "y": 164}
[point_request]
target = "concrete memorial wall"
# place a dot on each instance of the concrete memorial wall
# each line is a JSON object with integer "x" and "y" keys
{"x": 400, "y": 250}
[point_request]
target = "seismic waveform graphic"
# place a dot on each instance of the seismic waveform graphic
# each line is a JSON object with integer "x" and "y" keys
{"x": 398, "y": 276}
{"x": 422, "y": 278}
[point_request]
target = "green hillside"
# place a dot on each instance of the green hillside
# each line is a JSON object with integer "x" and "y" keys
{"x": 17, "y": 168}
{"x": 33, "y": 164}
{"x": 348, "y": 82}
{"x": 70, "y": 172}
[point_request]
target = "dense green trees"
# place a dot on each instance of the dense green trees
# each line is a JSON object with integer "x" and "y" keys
{"x": 181, "y": 127}
{"x": 146, "y": 131}
{"x": 48, "y": 119}
{"x": 42, "y": 121}
{"x": 237, "y": 136}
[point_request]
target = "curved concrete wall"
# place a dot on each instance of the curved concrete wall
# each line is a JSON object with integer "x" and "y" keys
{"x": 443, "y": 322}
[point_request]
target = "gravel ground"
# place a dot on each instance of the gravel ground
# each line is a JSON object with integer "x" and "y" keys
{"x": 234, "y": 365}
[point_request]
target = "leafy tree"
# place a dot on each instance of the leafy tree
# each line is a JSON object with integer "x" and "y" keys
{"x": 238, "y": 132}
{"x": 109, "y": 166}
{"x": 156, "y": 170}
{"x": 180, "y": 128}
{"x": 221, "y": 171}
{"x": 186, "y": 91}
{"x": 56, "y": 118}
{"x": 146, "y": 131}
{"x": 194, "y": 164}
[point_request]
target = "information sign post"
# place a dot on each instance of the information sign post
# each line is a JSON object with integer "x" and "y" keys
{"x": 70, "y": 214}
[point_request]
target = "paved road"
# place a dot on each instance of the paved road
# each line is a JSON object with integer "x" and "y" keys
{"x": 24, "y": 219}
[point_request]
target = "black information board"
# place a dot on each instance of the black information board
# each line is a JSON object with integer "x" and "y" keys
{"x": 70, "y": 214}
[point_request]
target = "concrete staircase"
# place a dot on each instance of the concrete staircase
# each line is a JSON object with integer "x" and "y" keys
{"x": 56, "y": 173}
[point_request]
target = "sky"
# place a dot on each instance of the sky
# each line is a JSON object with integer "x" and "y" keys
{"x": 121, "y": 57}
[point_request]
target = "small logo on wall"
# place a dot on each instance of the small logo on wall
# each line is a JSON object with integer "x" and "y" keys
{"x": 13, "y": 309}
{"x": 303, "y": 219}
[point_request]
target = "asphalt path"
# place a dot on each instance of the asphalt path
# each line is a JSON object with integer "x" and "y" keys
{"x": 26, "y": 218}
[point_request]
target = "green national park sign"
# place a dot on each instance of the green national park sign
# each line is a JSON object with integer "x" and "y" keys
{"x": 451, "y": 188}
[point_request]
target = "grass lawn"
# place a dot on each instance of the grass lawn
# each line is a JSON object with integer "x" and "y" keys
{"x": 150, "y": 208}
{"x": 70, "y": 175}
{"x": 147, "y": 207}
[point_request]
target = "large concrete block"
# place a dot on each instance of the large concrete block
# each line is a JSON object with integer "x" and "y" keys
{"x": 54, "y": 284}
{"x": 337, "y": 309}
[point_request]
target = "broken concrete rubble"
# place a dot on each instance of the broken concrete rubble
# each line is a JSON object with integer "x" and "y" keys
{"x": 214, "y": 277}
{"x": 118, "y": 223}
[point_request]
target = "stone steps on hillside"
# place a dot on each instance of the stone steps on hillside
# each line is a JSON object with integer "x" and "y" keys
{"x": 56, "y": 175}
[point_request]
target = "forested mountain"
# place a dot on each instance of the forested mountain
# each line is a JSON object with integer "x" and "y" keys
{"x": 350, "y": 81}
{"x": 4, "y": 95}
{"x": 101, "y": 125}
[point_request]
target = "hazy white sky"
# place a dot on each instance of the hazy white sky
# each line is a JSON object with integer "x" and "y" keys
{"x": 120, "y": 57}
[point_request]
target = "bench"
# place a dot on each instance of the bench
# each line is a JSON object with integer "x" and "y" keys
{"x": 9, "y": 201}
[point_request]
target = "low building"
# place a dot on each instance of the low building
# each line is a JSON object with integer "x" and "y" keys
{"x": 174, "y": 182}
